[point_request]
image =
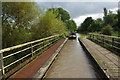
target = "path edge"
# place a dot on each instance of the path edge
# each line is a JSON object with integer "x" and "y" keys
{"x": 42, "y": 71}
{"x": 92, "y": 56}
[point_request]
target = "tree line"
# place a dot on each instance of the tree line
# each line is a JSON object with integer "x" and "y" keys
{"x": 25, "y": 21}
{"x": 109, "y": 25}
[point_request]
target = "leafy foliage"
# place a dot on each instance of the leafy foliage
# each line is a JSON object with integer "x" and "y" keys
{"x": 49, "y": 25}
{"x": 65, "y": 17}
{"x": 105, "y": 12}
{"x": 110, "y": 19}
{"x": 94, "y": 26}
{"x": 21, "y": 13}
{"x": 61, "y": 13}
{"x": 71, "y": 25}
{"x": 107, "y": 30}
{"x": 99, "y": 25}
{"x": 24, "y": 21}
{"x": 84, "y": 26}
{"x": 17, "y": 18}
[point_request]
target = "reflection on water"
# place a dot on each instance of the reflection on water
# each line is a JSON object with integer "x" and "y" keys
{"x": 71, "y": 62}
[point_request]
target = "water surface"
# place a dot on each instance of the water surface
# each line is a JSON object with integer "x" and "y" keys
{"x": 72, "y": 62}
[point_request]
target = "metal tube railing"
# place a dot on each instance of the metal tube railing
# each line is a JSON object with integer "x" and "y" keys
{"x": 33, "y": 47}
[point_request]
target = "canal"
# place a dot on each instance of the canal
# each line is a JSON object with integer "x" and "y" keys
{"x": 72, "y": 62}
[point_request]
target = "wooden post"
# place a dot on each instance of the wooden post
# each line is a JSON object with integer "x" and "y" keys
{"x": 43, "y": 44}
{"x": 54, "y": 39}
{"x": 93, "y": 36}
{"x": 31, "y": 50}
{"x": 103, "y": 40}
{"x": 3, "y": 71}
{"x": 97, "y": 38}
{"x": 90, "y": 36}
{"x": 112, "y": 41}
{"x": 58, "y": 38}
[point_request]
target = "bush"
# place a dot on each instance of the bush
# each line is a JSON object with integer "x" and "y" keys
{"x": 107, "y": 30}
{"x": 49, "y": 25}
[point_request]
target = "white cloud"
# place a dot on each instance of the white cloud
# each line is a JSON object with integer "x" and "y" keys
{"x": 80, "y": 19}
{"x": 114, "y": 10}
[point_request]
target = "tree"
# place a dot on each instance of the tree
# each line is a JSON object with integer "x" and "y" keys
{"x": 118, "y": 17}
{"x": 49, "y": 25}
{"x": 107, "y": 30}
{"x": 105, "y": 12}
{"x": 95, "y": 26}
{"x": 109, "y": 19}
{"x": 21, "y": 13}
{"x": 84, "y": 26}
{"x": 65, "y": 17}
{"x": 71, "y": 25}
{"x": 99, "y": 20}
{"x": 61, "y": 13}
{"x": 17, "y": 18}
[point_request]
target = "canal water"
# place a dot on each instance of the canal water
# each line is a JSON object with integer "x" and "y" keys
{"x": 72, "y": 62}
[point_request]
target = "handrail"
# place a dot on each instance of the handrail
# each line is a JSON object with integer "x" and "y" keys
{"x": 21, "y": 45}
{"x": 105, "y": 35}
{"x": 29, "y": 49}
{"x": 107, "y": 41}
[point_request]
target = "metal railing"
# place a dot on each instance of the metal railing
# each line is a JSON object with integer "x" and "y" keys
{"x": 110, "y": 42}
{"x": 16, "y": 57}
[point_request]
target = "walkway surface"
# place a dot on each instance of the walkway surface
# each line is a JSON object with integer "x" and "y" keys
{"x": 106, "y": 59}
{"x": 30, "y": 70}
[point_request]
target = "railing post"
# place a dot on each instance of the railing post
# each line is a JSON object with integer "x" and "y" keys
{"x": 3, "y": 71}
{"x": 112, "y": 41}
{"x": 43, "y": 43}
{"x": 100, "y": 38}
{"x": 57, "y": 38}
{"x": 90, "y": 36}
{"x": 103, "y": 40}
{"x": 93, "y": 36}
{"x": 54, "y": 39}
{"x": 97, "y": 38}
{"x": 61, "y": 36}
{"x": 32, "y": 49}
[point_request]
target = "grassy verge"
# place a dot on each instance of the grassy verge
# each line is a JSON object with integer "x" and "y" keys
{"x": 116, "y": 34}
{"x": 82, "y": 36}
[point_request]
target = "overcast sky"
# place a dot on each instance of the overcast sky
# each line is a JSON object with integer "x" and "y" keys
{"x": 80, "y": 10}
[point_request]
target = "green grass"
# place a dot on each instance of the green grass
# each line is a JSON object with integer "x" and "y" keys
{"x": 116, "y": 34}
{"x": 82, "y": 37}
{"x": 113, "y": 34}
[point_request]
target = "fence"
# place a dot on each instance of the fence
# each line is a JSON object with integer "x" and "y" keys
{"x": 110, "y": 42}
{"x": 14, "y": 58}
